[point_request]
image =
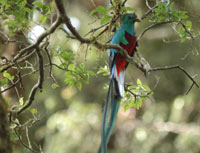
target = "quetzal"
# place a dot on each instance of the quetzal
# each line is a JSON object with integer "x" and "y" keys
{"x": 125, "y": 36}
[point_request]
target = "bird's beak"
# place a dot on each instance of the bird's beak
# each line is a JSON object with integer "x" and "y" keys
{"x": 137, "y": 19}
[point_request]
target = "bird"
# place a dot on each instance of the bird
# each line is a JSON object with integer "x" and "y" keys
{"x": 125, "y": 36}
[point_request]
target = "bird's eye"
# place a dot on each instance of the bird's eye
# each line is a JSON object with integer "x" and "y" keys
{"x": 129, "y": 17}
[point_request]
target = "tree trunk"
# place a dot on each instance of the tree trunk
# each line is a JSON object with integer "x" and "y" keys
{"x": 5, "y": 143}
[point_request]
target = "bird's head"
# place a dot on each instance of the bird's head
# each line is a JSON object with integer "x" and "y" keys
{"x": 130, "y": 18}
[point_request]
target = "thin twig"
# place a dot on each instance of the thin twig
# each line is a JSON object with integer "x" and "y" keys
{"x": 12, "y": 86}
{"x": 190, "y": 88}
{"x": 137, "y": 95}
{"x": 28, "y": 139}
{"x": 175, "y": 67}
{"x": 36, "y": 86}
{"x": 152, "y": 26}
{"x": 124, "y": 2}
{"x": 149, "y": 12}
{"x": 147, "y": 4}
{"x": 183, "y": 25}
{"x": 96, "y": 29}
{"x": 50, "y": 63}
{"x": 21, "y": 141}
{"x": 33, "y": 46}
{"x": 86, "y": 51}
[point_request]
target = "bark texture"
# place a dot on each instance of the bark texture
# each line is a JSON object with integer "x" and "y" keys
{"x": 5, "y": 143}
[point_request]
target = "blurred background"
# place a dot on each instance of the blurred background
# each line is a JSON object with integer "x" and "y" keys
{"x": 69, "y": 120}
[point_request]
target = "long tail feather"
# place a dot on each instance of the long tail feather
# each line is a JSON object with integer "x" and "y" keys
{"x": 112, "y": 104}
{"x": 113, "y": 117}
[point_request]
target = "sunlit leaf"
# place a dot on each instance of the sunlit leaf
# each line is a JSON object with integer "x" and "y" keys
{"x": 54, "y": 85}
{"x": 34, "y": 111}
{"x": 79, "y": 85}
{"x": 105, "y": 19}
{"x": 21, "y": 101}
{"x": 139, "y": 82}
{"x": 71, "y": 67}
{"x": 38, "y": 4}
{"x": 8, "y": 75}
{"x": 43, "y": 19}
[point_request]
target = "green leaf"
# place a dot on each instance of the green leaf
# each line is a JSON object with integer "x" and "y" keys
{"x": 8, "y": 76}
{"x": 52, "y": 4}
{"x": 106, "y": 87}
{"x": 105, "y": 19}
{"x": 4, "y": 81}
{"x": 126, "y": 107}
{"x": 138, "y": 103}
{"x": 101, "y": 9}
{"x": 91, "y": 73}
{"x": 86, "y": 78}
{"x": 67, "y": 56}
{"x": 189, "y": 25}
{"x": 13, "y": 126}
{"x": 34, "y": 111}
{"x": 68, "y": 73}
{"x": 14, "y": 136}
{"x": 71, "y": 67}
{"x": 128, "y": 9}
{"x": 139, "y": 82}
{"x": 82, "y": 66}
{"x": 103, "y": 70}
{"x": 54, "y": 85}
{"x": 70, "y": 84}
{"x": 21, "y": 101}
{"x": 43, "y": 19}
{"x": 69, "y": 80}
{"x": 38, "y": 4}
{"x": 79, "y": 85}
{"x": 45, "y": 9}
{"x": 92, "y": 12}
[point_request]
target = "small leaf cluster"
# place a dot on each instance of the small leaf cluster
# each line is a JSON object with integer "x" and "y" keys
{"x": 104, "y": 71}
{"x": 44, "y": 9}
{"x": 15, "y": 14}
{"x": 107, "y": 13}
{"x": 135, "y": 95}
{"x": 5, "y": 78}
{"x": 166, "y": 13}
{"x": 75, "y": 73}
{"x": 183, "y": 33}
{"x": 18, "y": 13}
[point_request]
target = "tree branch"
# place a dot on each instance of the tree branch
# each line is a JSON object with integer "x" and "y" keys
{"x": 33, "y": 46}
{"x": 149, "y": 12}
{"x": 152, "y": 26}
{"x": 175, "y": 67}
{"x": 36, "y": 86}
{"x": 141, "y": 65}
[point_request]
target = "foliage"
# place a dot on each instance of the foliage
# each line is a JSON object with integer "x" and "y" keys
{"x": 135, "y": 95}
{"x": 5, "y": 78}
{"x": 18, "y": 10}
{"x": 107, "y": 14}
{"x": 75, "y": 73}
{"x": 18, "y": 14}
{"x": 70, "y": 110}
{"x": 164, "y": 13}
